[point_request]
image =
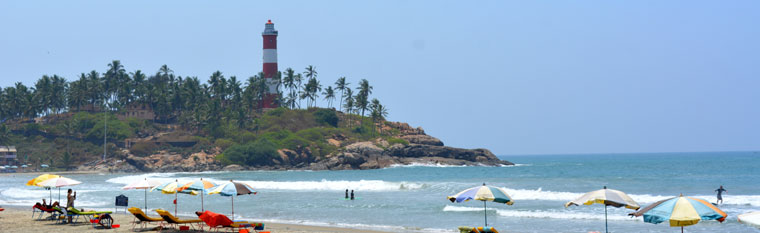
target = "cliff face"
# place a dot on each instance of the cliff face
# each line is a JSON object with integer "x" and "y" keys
{"x": 421, "y": 149}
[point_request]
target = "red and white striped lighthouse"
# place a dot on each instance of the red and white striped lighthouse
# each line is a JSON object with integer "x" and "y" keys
{"x": 270, "y": 63}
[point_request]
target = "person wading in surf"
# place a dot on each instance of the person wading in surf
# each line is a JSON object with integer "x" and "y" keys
{"x": 720, "y": 194}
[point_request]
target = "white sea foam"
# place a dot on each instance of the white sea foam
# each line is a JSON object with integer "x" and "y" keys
{"x": 558, "y": 214}
{"x": 354, "y": 225}
{"x": 643, "y": 199}
{"x": 133, "y": 178}
{"x": 335, "y": 185}
{"x": 426, "y": 165}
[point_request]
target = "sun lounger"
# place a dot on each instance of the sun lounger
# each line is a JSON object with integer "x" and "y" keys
{"x": 219, "y": 221}
{"x": 86, "y": 214}
{"x": 171, "y": 220}
{"x": 477, "y": 230}
{"x": 142, "y": 218}
{"x": 44, "y": 209}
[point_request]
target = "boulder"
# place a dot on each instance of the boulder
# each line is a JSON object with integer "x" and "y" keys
{"x": 423, "y": 139}
{"x": 233, "y": 167}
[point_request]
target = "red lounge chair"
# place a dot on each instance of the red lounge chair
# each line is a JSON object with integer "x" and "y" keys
{"x": 44, "y": 209}
{"x": 219, "y": 221}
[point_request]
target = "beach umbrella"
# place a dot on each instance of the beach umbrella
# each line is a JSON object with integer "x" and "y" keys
{"x": 143, "y": 184}
{"x": 681, "y": 211}
{"x": 483, "y": 193}
{"x": 751, "y": 218}
{"x": 171, "y": 188}
{"x": 198, "y": 185}
{"x": 232, "y": 189}
{"x": 40, "y": 178}
{"x": 608, "y": 197}
{"x": 58, "y": 182}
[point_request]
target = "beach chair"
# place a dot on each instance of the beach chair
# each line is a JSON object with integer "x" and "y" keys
{"x": 219, "y": 222}
{"x": 174, "y": 221}
{"x": 41, "y": 209}
{"x": 477, "y": 230}
{"x": 75, "y": 213}
{"x": 141, "y": 218}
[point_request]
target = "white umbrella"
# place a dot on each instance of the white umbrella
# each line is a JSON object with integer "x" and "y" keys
{"x": 58, "y": 182}
{"x": 143, "y": 184}
{"x": 751, "y": 218}
{"x": 608, "y": 197}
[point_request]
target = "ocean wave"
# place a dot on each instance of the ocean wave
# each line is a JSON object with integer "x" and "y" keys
{"x": 353, "y": 225}
{"x": 125, "y": 180}
{"x": 425, "y": 165}
{"x": 643, "y": 199}
{"x": 336, "y": 185}
{"x": 559, "y": 214}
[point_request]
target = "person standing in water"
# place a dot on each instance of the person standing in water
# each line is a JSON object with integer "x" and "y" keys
{"x": 720, "y": 194}
{"x": 352, "y": 194}
{"x": 346, "y": 193}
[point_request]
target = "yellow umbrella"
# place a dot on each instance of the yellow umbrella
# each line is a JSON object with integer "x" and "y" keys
{"x": 37, "y": 180}
{"x": 172, "y": 188}
{"x": 40, "y": 179}
{"x": 608, "y": 197}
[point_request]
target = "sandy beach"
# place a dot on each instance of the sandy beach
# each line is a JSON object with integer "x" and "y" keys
{"x": 15, "y": 219}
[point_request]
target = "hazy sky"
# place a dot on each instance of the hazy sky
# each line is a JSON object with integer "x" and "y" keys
{"x": 528, "y": 77}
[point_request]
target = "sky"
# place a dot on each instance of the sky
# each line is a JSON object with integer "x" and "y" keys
{"x": 515, "y": 77}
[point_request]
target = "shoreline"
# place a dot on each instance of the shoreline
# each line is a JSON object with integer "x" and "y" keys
{"x": 18, "y": 219}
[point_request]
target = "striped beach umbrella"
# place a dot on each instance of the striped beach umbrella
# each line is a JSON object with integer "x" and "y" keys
{"x": 608, "y": 197}
{"x": 198, "y": 185}
{"x": 483, "y": 193}
{"x": 681, "y": 211}
{"x": 232, "y": 189}
{"x": 58, "y": 182}
{"x": 143, "y": 184}
{"x": 40, "y": 178}
{"x": 751, "y": 218}
{"x": 172, "y": 188}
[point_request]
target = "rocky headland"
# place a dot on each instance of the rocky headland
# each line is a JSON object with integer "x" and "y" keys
{"x": 379, "y": 153}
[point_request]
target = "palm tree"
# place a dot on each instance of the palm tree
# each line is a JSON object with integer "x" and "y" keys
{"x": 341, "y": 85}
{"x": 298, "y": 80}
{"x": 362, "y": 99}
{"x": 329, "y": 95}
{"x": 311, "y": 72}
{"x": 349, "y": 102}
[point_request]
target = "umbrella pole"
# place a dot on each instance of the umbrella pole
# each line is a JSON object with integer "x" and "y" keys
{"x": 145, "y": 201}
{"x": 233, "y": 207}
{"x": 485, "y": 213}
{"x": 175, "y": 202}
{"x": 202, "y": 192}
{"x": 59, "y": 195}
{"x": 681, "y": 229}
{"x": 605, "y": 218}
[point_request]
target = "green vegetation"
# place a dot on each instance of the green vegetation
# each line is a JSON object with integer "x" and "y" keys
{"x": 63, "y": 123}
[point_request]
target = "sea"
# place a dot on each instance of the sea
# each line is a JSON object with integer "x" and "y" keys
{"x": 412, "y": 198}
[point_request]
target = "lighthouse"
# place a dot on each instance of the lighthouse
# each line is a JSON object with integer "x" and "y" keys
{"x": 270, "y": 63}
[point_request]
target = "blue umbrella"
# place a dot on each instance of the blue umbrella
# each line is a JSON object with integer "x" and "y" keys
{"x": 483, "y": 193}
{"x": 232, "y": 189}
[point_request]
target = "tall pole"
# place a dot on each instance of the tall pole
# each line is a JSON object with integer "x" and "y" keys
{"x": 605, "y": 219}
{"x": 105, "y": 128}
{"x": 485, "y": 213}
{"x": 233, "y": 207}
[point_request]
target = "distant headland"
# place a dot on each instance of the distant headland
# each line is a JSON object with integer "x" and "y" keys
{"x": 129, "y": 121}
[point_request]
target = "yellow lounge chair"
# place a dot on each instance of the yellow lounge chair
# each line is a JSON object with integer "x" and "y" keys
{"x": 477, "y": 230}
{"x": 142, "y": 218}
{"x": 169, "y": 218}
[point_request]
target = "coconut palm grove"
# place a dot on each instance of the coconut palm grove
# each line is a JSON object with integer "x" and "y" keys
{"x": 65, "y": 122}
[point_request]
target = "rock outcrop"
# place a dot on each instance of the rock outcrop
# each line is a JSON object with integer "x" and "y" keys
{"x": 379, "y": 153}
